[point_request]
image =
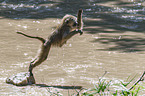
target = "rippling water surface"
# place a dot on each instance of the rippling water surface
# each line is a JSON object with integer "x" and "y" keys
{"x": 113, "y": 41}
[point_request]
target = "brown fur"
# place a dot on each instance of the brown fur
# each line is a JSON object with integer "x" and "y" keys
{"x": 66, "y": 26}
{"x": 70, "y": 25}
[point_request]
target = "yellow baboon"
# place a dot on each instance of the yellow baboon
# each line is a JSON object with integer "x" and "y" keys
{"x": 70, "y": 25}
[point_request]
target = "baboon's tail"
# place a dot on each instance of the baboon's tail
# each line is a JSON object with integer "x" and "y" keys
{"x": 36, "y": 37}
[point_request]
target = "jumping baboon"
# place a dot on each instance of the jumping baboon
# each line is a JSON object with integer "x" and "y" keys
{"x": 70, "y": 25}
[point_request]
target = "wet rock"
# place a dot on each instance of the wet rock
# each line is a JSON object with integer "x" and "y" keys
{"x": 21, "y": 79}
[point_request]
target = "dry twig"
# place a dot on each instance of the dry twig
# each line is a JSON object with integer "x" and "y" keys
{"x": 140, "y": 79}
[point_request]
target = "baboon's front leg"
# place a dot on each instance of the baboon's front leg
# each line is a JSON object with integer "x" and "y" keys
{"x": 69, "y": 35}
{"x": 79, "y": 20}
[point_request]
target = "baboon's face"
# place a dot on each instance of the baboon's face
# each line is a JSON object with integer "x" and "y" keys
{"x": 72, "y": 23}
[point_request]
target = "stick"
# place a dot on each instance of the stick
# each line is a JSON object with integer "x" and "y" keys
{"x": 140, "y": 79}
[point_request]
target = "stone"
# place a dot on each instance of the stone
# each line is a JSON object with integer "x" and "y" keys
{"x": 21, "y": 79}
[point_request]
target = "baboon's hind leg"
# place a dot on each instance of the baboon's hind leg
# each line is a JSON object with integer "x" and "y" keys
{"x": 42, "y": 56}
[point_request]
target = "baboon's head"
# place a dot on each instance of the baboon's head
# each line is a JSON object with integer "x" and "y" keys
{"x": 70, "y": 21}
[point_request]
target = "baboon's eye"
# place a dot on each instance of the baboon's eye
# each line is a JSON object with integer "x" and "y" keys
{"x": 67, "y": 22}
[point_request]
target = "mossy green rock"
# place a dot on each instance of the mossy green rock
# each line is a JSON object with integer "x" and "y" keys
{"x": 21, "y": 79}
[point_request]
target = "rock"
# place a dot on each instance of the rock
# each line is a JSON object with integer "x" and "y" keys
{"x": 21, "y": 79}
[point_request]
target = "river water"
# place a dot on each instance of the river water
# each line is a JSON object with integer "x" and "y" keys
{"x": 113, "y": 41}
